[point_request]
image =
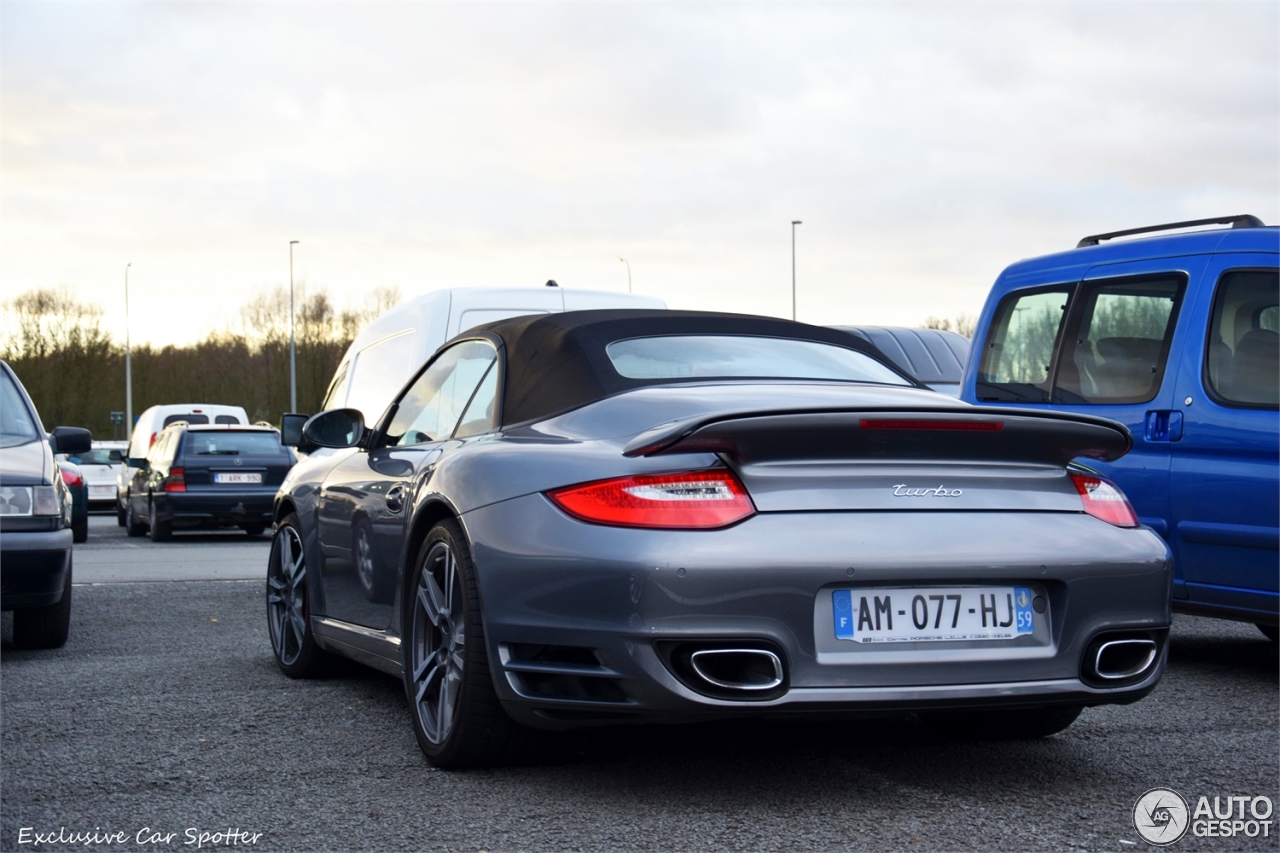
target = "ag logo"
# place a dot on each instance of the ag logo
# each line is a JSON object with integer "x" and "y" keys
{"x": 1161, "y": 816}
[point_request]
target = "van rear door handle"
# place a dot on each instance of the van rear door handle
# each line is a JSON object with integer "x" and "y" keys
{"x": 395, "y": 497}
{"x": 1163, "y": 425}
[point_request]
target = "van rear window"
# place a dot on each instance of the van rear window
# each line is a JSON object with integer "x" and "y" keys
{"x": 233, "y": 444}
{"x": 194, "y": 420}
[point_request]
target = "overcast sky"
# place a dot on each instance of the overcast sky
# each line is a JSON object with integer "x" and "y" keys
{"x": 925, "y": 147}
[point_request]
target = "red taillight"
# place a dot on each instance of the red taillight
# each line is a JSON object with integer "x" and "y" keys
{"x": 71, "y": 478}
{"x": 176, "y": 481}
{"x": 1103, "y": 499}
{"x": 968, "y": 426}
{"x": 694, "y": 499}
{"x": 153, "y": 438}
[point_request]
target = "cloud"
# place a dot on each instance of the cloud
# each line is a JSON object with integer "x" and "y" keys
{"x": 925, "y": 146}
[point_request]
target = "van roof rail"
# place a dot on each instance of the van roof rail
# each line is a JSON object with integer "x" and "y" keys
{"x": 1244, "y": 220}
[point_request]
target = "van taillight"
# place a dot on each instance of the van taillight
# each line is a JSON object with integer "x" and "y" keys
{"x": 153, "y": 438}
{"x": 176, "y": 481}
{"x": 1103, "y": 499}
{"x": 692, "y": 499}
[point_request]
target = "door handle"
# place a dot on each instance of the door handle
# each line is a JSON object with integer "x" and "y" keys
{"x": 1163, "y": 425}
{"x": 395, "y": 497}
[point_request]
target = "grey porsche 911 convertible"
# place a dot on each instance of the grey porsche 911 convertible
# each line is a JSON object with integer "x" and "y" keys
{"x": 635, "y": 516}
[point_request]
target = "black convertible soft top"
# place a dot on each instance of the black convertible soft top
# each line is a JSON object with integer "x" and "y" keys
{"x": 557, "y": 362}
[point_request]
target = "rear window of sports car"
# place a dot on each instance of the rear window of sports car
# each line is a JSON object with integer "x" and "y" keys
{"x": 742, "y": 356}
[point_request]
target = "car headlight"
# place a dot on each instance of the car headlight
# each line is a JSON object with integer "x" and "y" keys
{"x": 15, "y": 500}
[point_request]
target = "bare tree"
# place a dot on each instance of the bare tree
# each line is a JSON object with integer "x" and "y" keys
{"x": 964, "y": 324}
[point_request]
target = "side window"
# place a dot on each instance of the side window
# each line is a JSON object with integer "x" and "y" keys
{"x": 161, "y": 448}
{"x": 1118, "y": 342}
{"x": 481, "y": 413}
{"x": 337, "y": 393}
{"x": 434, "y": 403}
{"x": 380, "y": 370}
{"x": 1017, "y": 359}
{"x": 1242, "y": 361}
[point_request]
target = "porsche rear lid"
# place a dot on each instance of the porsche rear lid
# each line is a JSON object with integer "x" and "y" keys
{"x": 962, "y": 458}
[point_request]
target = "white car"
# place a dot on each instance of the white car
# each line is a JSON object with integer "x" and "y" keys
{"x": 99, "y": 466}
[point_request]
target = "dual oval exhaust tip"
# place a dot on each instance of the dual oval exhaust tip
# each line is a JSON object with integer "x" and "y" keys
{"x": 1112, "y": 661}
{"x": 753, "y": 670}
{"x": 743, "y": 670}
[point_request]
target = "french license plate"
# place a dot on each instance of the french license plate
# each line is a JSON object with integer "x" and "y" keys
{"x": 102, "y": 491}
{"x": 237, "y": 478}
{"x": 943, "y": 614}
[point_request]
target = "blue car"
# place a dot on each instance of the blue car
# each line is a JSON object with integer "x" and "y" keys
{"x": 1176, "y": 337}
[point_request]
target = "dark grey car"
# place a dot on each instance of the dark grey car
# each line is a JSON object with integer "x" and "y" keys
{"x": 611, "y": 516}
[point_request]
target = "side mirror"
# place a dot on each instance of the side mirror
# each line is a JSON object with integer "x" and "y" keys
{"x": 71, "y": 440}
{"x": 115, "y": 456}
{"x": 335, "y": 428}
{"x": 291, "y": 425}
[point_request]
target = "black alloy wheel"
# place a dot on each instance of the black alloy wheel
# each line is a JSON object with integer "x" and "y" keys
{"x": 456, "y": 714}
{"x": 161, "y": 531}
{"x": 288, "y": 611}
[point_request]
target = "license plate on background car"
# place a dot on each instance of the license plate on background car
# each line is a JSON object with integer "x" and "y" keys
{"x": 102, "y": 491}
{"x": 237, "y": 477}
{"x": 943, "y": 614}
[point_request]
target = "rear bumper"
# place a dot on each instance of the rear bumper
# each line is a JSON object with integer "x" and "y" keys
{"x": 624, "y": 593}
{"x": 33, "y": 567}
{"x": 216, "y": 509}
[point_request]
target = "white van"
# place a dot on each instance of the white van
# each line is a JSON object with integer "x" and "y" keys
{"x": 383, "y": 357}
{"x": 149, "y": 425}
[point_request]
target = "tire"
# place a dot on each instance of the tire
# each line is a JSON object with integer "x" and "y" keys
{"x": 45, "y": 627}
{"x": 161, "y": 531}
{"x": 80, "y": 530}
{"x": 455, "y": 712}
{"x": 1272, "y": 632}
{"x": 254, "y": 529}
{"x": 288, "y": 606}
{"x": 132, "y": 526}
{"x": 996, "y": 724}
{"x": 120, "y": 515}
{"x": 376, "y": 585}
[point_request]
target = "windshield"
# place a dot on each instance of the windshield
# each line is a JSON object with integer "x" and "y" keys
{"x": 734, "y": 356}
{"x": 233, "y": 444}
{"x": 97, "y": 456}
{"x": 16, "y": 425}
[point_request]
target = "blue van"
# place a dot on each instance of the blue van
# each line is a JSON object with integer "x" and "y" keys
{"x": 1175, "y": 336}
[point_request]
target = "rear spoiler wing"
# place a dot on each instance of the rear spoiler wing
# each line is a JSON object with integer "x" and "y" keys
{"x": 968, "y": 433}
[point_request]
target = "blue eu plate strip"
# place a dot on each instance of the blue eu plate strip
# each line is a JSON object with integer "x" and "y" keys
{"x": 1022, "y": 604}
{"x": 842, "y": 606}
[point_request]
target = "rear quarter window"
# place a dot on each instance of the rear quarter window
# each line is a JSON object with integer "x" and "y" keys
{"x": 1242, "y": 358}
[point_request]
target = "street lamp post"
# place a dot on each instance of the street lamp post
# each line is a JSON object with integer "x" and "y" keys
{"x": 293, "y": 347}
{"x": 794, "y": 223}
{"x": 628, "y": 263}
{"x": 128, "y": 364}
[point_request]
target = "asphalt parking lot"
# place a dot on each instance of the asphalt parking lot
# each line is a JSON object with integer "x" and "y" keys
{"x": 165, "y": 713}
